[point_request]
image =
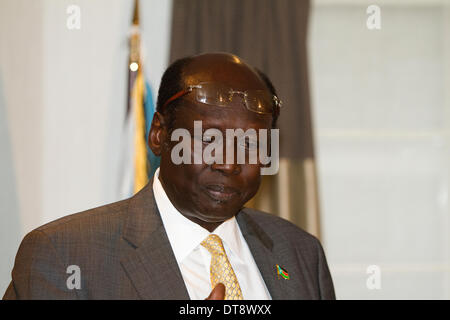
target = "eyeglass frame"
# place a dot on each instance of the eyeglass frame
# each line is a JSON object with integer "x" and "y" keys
{"x": 278, "y": 103}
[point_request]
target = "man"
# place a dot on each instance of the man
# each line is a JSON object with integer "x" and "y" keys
{"x": 186, "y": 234}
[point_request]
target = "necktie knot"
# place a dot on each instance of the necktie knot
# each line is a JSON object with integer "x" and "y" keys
{"x": 213, "y": 244}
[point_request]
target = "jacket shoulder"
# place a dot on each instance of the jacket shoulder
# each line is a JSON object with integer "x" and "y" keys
{"x": 104, "y": 212}
{"x": 86, "y": 239}
{"x": 88, "y": 224}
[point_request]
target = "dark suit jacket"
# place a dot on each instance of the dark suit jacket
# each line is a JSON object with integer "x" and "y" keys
{"x": 123, "y": 252}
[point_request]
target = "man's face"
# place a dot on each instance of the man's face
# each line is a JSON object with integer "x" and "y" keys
{"x": 211, "y": 194}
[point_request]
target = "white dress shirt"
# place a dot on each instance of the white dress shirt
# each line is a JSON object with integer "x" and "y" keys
{"x": 194, "y": 260}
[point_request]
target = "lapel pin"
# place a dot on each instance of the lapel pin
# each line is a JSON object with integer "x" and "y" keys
{"x": 282, "y": 272}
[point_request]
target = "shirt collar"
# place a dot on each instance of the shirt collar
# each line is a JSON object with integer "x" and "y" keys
{"x": 229, "y": 232}
{"x": 185, "y": 235}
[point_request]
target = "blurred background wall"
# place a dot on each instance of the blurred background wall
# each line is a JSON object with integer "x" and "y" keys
{"x": 382, "y": 121}
{"x": 380, "y": 109}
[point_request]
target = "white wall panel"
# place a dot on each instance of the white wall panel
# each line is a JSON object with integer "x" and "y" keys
{"x": 381, "y": 119}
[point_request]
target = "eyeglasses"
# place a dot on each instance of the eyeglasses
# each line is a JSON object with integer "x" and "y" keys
{"x": 217, "y": 94}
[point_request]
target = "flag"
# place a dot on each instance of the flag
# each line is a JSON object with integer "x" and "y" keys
{"x": 139, "y": 162}
{"x": 149, "y": 107}
{"x": 282, "y": 272}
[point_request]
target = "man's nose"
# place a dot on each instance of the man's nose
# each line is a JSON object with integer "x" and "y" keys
{"x": 227, "y": 168}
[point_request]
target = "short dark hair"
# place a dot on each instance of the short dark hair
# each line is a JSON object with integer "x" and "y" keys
{"x": 273, "y": 92}
{"x": 171, "y": 83}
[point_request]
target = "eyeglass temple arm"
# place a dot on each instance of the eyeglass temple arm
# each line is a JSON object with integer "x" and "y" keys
{"x": 177, "y": 95}
{"x": 278, "y": 102}
{"x": 180, "y": 94}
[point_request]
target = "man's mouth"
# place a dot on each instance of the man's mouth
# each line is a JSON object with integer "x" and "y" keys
{"x": 221, "y": 192}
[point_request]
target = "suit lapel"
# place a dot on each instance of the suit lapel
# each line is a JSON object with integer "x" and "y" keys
{"x": 265, "y": 260}
{"x": 267, "y": 254}
{"x": 151, "y": 264}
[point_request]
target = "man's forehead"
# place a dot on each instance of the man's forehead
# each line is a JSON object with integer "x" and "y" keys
{"x": 231, "y": 117}
{"x": 222, "y": 68}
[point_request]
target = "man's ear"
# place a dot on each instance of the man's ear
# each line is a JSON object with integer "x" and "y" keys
{"x": 157, "y": 134}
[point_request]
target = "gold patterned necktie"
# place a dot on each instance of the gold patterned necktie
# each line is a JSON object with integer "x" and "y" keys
{"x": 221, "y": 270}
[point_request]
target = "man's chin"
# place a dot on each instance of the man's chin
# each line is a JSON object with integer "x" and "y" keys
{"x": 218, "y": 214}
